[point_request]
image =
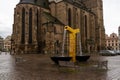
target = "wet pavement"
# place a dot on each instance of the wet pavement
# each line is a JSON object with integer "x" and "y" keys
{"x": 40, "y": 67}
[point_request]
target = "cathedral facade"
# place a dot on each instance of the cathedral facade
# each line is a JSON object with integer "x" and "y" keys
{"x": 39, "y": 25}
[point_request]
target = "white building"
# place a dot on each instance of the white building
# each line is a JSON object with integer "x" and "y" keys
{"x": 112, "y": 42}
{"x": 7, "y": 43}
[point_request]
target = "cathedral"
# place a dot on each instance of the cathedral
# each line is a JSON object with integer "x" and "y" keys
{"x": 39, "y": 25}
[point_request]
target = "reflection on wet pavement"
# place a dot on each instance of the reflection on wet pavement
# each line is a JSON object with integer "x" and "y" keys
{"x": 40, "y": 67}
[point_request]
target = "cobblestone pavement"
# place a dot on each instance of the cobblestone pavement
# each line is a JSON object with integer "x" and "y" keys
{"x": 40, "y": 67}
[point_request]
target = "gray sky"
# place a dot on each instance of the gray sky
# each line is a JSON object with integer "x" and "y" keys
{"x": 6, "y": 16}
{"x": 111, "y": 16}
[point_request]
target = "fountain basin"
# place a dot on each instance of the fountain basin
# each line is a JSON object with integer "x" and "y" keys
{"x": 56, "y": 59}
{"x": 82, "y": 58}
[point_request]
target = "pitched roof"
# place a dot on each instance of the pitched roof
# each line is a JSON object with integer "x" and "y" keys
{"x": 52, "y": 19}
{"x": 42, "y": 3}
{"x": 79, "y": 4}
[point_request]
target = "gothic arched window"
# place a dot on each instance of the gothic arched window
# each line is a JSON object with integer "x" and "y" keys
{"x": 69, "y": 17}
{"x": 23, "y": 27}
{"x": 85, "y": 23}
{"x": 30, "y": 26}
{"x": 37, "y": 16}
{"x": 37, "y": 22}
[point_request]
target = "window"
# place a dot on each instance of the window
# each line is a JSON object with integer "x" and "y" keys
{"x": 37, "y": 23}
{"x": 30, "y": 26}
{"x": 74, "y": 17}
{"x": 85, "y": 23}
{"x": 112, "y": 44}
{"x": 23, "y": 27}
{"x": 69, "y": 17}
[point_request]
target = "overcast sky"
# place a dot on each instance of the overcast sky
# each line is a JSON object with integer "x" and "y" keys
{"x": 111, "y": 9}
{"x": 111, "y": 15}
{"x": 6, "y": 16}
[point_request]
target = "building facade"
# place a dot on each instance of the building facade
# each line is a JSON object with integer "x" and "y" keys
{"x": 39, "y": 25}
{"x": 119, "y": 36}
{"x": 112, "y": 42}
{"x": 1, "y": 43}
{"x": 7, "y": 43}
